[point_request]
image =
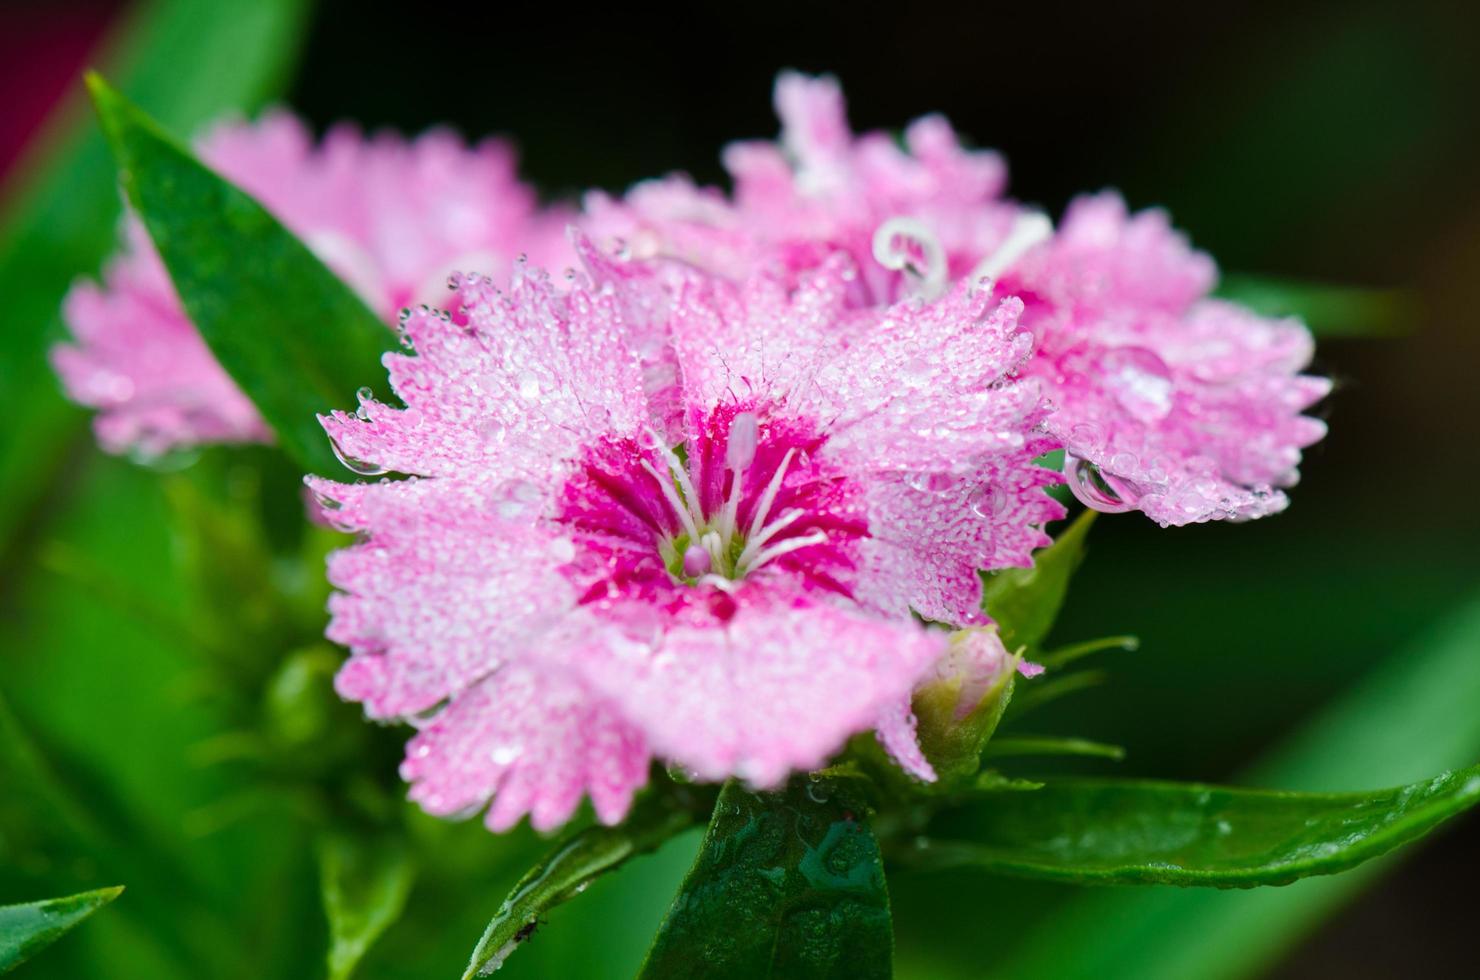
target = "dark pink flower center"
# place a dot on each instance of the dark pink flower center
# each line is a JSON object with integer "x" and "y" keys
{"x": 746, "y": 494}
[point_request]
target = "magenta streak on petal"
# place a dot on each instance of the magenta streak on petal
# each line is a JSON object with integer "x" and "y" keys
{"x": 623, "y": 520}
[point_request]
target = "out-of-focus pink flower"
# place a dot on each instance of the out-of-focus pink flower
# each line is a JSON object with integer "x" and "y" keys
{"x": 392, "y": 217}
{"x": 930, "y": 208}
{"x": 563, "y": 591}
{"x": 1183, "y": 407}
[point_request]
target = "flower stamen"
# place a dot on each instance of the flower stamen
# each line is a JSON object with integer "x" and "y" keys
{"x": 892, "y": 251}
{"x": 1028, "y": 230}
{"x": 671, "y": 495}
{"x": 785, "y": 547}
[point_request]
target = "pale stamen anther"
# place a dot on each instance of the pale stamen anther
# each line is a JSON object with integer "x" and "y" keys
{"x": 696, "y": 561}
{"x": 888, "y": 252}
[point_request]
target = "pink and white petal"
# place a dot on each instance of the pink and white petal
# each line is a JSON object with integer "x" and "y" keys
{"x": 1102, "y": 257}
{"x": 534, "y": 741}
{"x": 142, "y": 364}
{"x": 930, "y": 386}
{"x": 776, "y": 689}
{"x": 930, "y": 534}
{"x": 761, "y": 339}
{"x": 814, "y": 128}
{"x": 510, "y": 387}
{"x": 442, "y": 591}
{"x": 896, "y": 733}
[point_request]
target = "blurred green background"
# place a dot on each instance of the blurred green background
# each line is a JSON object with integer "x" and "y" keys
{"x": 1336, "y": 646}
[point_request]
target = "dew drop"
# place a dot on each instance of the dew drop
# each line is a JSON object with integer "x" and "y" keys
{"x": 360, "y": 466}
{"x": 1140, "y": 381}
{"x": 987, "y": 501}
{"x": 504, "y": 754}
{"x": 492, "y": 432}
{"x": 1095, "y": 489}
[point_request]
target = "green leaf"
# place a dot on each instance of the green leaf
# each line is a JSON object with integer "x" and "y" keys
{"x": 1329, "y": 310}
{"x": 576, "y": 861}
{"x": 1024, "y": 602}
{"x": 364, "y": 881}
{"x": 294, "y": 337}
{"x": 1414, "y": 714}
{"x": 27, "y": 929}
{"x": 187, "y": 62}
{"x": 1129, "y": 832}
{"x": 1052, "y": 745}
{"x": 786, "y": 885}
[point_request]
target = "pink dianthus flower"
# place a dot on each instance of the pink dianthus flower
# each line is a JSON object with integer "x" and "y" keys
{"x": 392, "y": 217}
{"x": 1167, "y": 401}
{"x": 563, "y": 592}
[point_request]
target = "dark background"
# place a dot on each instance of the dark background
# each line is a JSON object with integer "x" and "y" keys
{"x": 1331, "y": 141}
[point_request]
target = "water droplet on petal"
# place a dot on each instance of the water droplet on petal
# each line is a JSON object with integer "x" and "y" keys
{"x": 360, "y": 466}
{"x": 1140, "y": 381}
{"x": 1097, "y": 490}
{"x": 987, "y": 501}
{"x": 563, "y": 550}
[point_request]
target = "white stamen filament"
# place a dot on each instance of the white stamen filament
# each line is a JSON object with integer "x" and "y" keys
{"x": 715, "y": 546}
{"x": 931, "y": 280}
{"x": 671, "y": 495}
{"x": 758, "y": 542}
{"x": 1028, "y": 230}
{"x": 682, "y": 475}
{"x": 706, "y": 559}
{"x": 769, "y": 497}
{"x": 790, "y": 544}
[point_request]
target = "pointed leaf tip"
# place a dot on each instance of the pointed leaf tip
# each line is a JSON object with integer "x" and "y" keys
{"x": 1145, "y": 832}
{"x": 30, "y": 927}
{"x": 291, "y": 334}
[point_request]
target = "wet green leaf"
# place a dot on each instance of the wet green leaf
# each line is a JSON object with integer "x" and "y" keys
{"x": 1024, "y": 602}
{"x": 1413, "y": 714}
{"x": 1130, "y": 832}
{"x": 185, "y": 61}
{"x": 27, "y": 929}
{"x": 575, "y": 862}
{"x": 364, "y": 881}
{"x": 786, "y": 885}
{"x": 1329, "y": 310}
{"x": 294, "y": 337}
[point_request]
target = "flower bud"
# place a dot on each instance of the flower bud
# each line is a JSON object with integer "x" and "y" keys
{"x": 959, "y": 706}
